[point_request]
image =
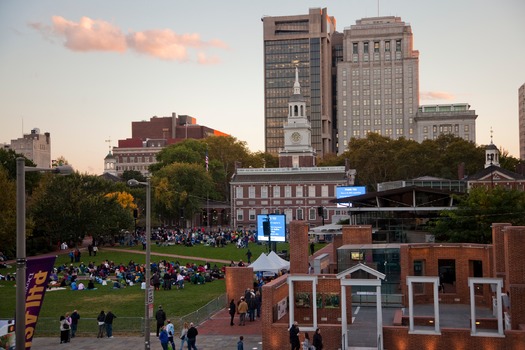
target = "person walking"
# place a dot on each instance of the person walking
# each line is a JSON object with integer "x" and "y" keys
{"x": 64, "y": 330}
{"x": 232, "y": 311}
{"x": 163, "y": 337}
{"x": 294, "y": 336}
{"x": 306, "y": 343}
{"x": 242, "y": 308}
{"x": 160, "y": 316}
{"x": 183, "y": 335}
{"x": 100, "y": 319}
{"x": 240, "y": 344}
{"x": 192, "y": 337}
{"x": 318, "y": 340}
{"x": 170, "y": 329}
{"x": 75, "y": 316}
{"x": 108, "y": 321}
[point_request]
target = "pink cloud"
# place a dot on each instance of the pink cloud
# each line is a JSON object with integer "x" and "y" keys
{"x": 436, "y": 95}
{"x": 89, "y": 35}
{"x": 99, "y": 35}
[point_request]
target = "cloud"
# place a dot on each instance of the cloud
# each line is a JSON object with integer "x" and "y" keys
{"x": 436, "y": 95}
{"x": 98, "y": 35}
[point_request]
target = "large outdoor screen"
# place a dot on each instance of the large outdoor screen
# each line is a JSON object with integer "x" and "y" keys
{"x": 348, "y": 191}
{"x": 277, "y": 227}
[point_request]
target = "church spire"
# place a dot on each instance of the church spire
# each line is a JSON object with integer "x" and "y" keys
{"x": 296, "y": 85}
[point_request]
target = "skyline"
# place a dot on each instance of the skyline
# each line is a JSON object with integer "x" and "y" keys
{"x": 85, "y": 71}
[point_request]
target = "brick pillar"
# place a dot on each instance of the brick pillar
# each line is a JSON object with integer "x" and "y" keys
{"x": 357, "y": 234}
{"x": 237, "y": 280}
{"x": 498, "y": 248}
{"x": 299, "y": 247}
{"x": 514, "y": 239}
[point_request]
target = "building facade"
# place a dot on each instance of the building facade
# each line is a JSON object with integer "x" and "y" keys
{"x": 455, "y": 119}
{"x": 148, "y": 138}
{"x": 302, "y": 41}
{"x": 34, "y": 146}
{"x": 377, "y": 81}
{"x": 521, "y": 118}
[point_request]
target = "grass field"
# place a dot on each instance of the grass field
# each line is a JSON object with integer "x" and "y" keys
{"x": 129, "y": 302}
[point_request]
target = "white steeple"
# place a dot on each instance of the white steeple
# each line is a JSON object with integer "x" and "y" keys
{"x": 296, "y": 85}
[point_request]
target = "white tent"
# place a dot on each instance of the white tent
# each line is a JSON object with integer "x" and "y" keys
{"x": 285, "y": 265}
{"x": 327, "y": 229}
{"x": 263, "y": 263}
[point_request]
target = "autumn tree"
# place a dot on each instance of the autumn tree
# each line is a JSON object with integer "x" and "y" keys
{"x": 8, "y": 217}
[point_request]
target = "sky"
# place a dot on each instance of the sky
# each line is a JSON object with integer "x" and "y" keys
{"x": 84, "y": 70}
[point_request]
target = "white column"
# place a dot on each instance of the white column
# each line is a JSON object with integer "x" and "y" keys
{"x": 344, "y": 324}
{"x": 379, "y": 318}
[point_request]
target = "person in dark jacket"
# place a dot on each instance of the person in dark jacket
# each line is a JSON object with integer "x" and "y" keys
{"x": 294, "y": 336}
{"x": 100, "y": 320}
{"x": 163, "y": 337}
{"x": 317, "y": 341}
{"x": 232, "y": 310}
{"x": 192, "y": 337}
{"x": 160, "y": 316}
{"x": 108, "y": 321}
{"x": 75, "y": 316}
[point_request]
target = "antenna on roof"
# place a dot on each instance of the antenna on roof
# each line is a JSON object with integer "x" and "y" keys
{"x": 377, "y": 8}
{"x": 109, "y": 143}
{"x": 491, "y": 134}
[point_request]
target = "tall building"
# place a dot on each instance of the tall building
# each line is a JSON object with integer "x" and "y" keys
{"x": 302, "y": 41}
{"x": 521, "y": 117}
{"x": 34, "y": 146}
{"x": 455, "y": 119}
{"x": 377, "y": 81}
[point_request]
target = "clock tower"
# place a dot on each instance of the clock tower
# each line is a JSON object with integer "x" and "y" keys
{"x": 297, "y": 151}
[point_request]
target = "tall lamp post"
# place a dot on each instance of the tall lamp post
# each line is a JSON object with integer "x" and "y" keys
{"x": 21, "y": 259}
{"x": 148, "y": 295}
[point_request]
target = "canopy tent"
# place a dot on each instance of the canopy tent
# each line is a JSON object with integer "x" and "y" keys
{"x": 326, "y": 229}
{"x": 263, "y": 263}
{"x": 285, "y": 265}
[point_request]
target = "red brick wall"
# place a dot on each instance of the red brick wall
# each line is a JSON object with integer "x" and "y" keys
{"x": 360, "y": 234}
{"x": 462, "y": 254}
{"x": 299, "y": 249}
{"x": 398, "y": 338}
{"x": 499, "y": 249}
{"x": 514, "y": 240}
{"x": 237, "y": 280}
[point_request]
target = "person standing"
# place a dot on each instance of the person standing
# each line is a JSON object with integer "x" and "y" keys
{"x": 163, "y": 337}
{"x": 318, "y": 340}
{"x": 249, "y": 255}
{"x": 294, "y": 336}
{"x": 64, "y": 330}
{"x": 192, "y": 337}
{"x": 183, "y": 335}
{"x": 75, "y": 316}
{"x": 306, "y": 342}
{"x": 242, "y": 308}
{"x": 160, "y": 316}
{"x": 232, "y": 311}
{"x": 170, "y": 330}
{"x": 240, "y": 344}
{"x": 108, "y": 321}
{"x": 100, "y": 319}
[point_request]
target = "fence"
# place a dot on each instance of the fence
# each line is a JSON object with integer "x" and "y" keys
{"x": 88, "y": 327}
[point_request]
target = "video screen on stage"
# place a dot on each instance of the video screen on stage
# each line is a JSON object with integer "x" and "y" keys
{"x": 277, "y": 224}
{"x": 348, "y": 191}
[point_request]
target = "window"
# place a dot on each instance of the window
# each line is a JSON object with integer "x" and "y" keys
{"x": 311, "y": 213}
{"x": 398, "y": 45}
{"x": 447, "y": 275}
{"x": 251, "y": 192}
{"x": 354, "y": 48}
{"x": 311, "y": 191}
{"x": 300, "y": 214}
{"x": 365, "y": 47}
{"x": 252, "y": 215}
{"x": 276, "y": 191}
{"x": 466, "y": 128}
{"x": 299, "y": 191}
{"x": 419, "y": 270}
{"x": 376, "y": 46}
{"x": 264, "y": 192}
{"x": 239, "y": 192}
{"x": 387, "y": 46}
{"x": 240, "y": 215}
{"x": 288, "y": 191}
{"x": 425, "y": 129}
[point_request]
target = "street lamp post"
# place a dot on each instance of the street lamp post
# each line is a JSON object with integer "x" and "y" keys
{"x": 21, "y": 259}
{"x": 148, "y": 290}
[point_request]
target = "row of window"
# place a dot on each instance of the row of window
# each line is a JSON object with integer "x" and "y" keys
{"x": 297, "y": 214}
{"x": 446, "y": 128}
{"x": 365, "y": 45}
{"x": 284, "y": 191}
{"x": 387, "y": 111}
{"x": 136, "y": 159}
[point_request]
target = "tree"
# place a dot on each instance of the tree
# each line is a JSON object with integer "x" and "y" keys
{"x": 132, "y": 174}
{"x": 477, "y": 210}
{"x": 8, "y": 217}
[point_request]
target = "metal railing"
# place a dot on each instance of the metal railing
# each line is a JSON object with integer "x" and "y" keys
{"x": 88, "y": 327}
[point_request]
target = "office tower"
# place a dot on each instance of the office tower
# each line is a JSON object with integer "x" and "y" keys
{"x": 302, "y": 41}
{"x": 377, "y": 81}
{"x": 34, "y": 146}
{"x": 521, "y": 117}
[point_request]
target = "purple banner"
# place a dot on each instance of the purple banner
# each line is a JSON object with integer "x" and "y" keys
{"x": 37, "y": 277}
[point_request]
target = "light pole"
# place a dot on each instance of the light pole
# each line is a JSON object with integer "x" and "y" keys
{"x": 21, "y": 260}
{"x": 148, "y": 291}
